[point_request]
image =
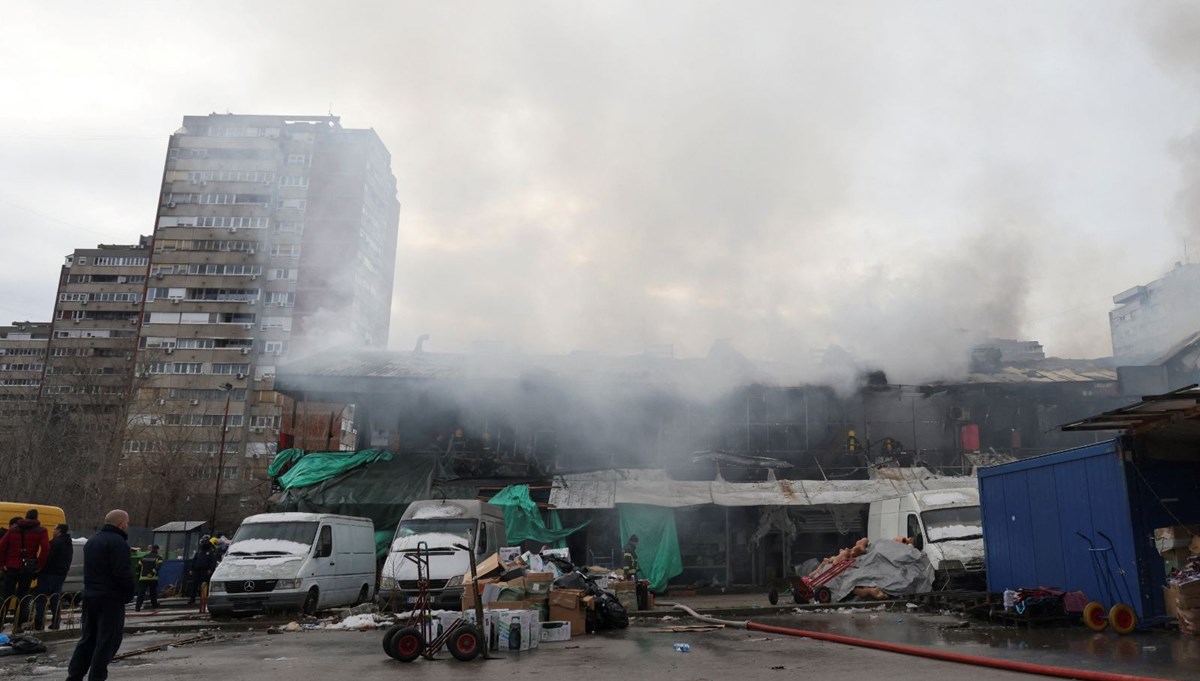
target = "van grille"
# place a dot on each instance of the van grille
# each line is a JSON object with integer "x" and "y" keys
{"x": 256, "y": 586}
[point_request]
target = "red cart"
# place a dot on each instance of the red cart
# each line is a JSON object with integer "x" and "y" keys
{"x": 806, "y": 589}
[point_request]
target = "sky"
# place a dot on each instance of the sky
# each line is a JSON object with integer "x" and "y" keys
{"x": 893, "y": 178}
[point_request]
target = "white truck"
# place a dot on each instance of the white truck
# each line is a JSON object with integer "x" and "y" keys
{"x": 442, "y": 525}
{"x": 282, "y": 561}
{"x": 944, "y": 524}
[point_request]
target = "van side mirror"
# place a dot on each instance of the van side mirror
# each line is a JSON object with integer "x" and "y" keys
{"x": 919, "y": 542}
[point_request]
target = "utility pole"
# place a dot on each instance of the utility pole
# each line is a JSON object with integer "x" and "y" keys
{"x": 228, "y": 390}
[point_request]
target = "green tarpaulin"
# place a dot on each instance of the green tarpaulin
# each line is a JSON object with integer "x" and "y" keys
{"x": 523, "y": 520}
{"x": 379, "y": 489}
{"x": 309, "y": 468}
{"x": 658, "y": 544}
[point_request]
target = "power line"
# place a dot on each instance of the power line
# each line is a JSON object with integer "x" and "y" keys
{"x": 49, "y": 217}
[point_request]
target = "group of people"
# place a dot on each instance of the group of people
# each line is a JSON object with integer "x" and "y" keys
{"x": 29, "y": 554}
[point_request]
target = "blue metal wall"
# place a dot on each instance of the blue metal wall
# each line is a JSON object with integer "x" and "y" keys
{"x": 1033, "y": 508}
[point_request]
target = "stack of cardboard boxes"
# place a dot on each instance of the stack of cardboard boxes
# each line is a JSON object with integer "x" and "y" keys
{"x": 1180, "y": 548}
{"x": 520, "y": 590}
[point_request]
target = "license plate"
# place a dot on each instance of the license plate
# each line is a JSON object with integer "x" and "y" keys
{"x": 410, "y": 599}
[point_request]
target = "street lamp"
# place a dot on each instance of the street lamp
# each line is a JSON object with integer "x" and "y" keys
{"x": 212, "y": 521}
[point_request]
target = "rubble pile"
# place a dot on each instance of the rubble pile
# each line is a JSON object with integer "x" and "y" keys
{"x": 534, "y": 598}
{"x": 1180, "y": 548}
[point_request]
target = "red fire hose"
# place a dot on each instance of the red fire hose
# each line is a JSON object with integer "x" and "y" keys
{"x": 932, "y": 653}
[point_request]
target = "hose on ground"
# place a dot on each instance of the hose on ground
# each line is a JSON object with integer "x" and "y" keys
{"x": 931, "y": 653}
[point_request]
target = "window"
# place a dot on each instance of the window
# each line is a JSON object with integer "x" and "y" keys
{"x": 285, "y": 250}
{"x": 114, "y": 261}
{"x": 281, "y": 299}
{"x": 325, "y": 542}
{"x": 275, "y": 347}
{"x": 230, "y": 369}
{"x": 300, "y": 204}
{"x": 284, "y": 323}
{"x": 293, "y": 181}
{"x": 299, "y": 159}
{"x": 282, "y": 273}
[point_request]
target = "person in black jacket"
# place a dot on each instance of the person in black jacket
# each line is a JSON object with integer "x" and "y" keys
{"x": 203, "y": 564}
{"x": 51, "y": 578}
{"x": 107, "y": 587}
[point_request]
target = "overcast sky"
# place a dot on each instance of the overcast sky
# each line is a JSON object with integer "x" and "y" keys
{"x": 610, "y": 176}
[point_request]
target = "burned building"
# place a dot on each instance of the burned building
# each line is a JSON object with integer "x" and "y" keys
{"x": 761, "y": 475}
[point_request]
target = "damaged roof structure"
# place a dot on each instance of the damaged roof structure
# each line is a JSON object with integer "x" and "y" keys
{"x": 722, "y": 443}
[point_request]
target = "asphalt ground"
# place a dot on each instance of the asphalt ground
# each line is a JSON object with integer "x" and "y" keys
{"x": 241, "y": 649}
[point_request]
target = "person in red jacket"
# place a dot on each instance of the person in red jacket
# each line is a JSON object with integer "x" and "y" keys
{"x": 24, "y": 550}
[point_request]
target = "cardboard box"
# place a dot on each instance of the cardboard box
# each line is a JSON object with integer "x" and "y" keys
{"x": 523, "y": 604}
{"x": 555, "y": 631}
{"x": 538, "y": 583}
{"x": 1175, "y": 537}
{"x": 517, "y": 629}
{"x": 1186, "y": 596}
{"x": 566, "y": 605}
{"x": 509, "y": 554}
{"x": 491, "y": 566}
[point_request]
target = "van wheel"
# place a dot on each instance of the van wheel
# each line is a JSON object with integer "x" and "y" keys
{"x": 310, "y": 602}
{"x": 363, "y": 594}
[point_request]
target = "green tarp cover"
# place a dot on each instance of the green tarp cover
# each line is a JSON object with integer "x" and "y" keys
{"x": 379, "y": 490}
{"x": 313, "y": 467}
{"x": 522, "y": 520}
{"x": 658, "y": 544}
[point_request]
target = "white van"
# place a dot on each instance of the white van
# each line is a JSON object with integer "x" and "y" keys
{"x": 944, "y": 524}
{"x": 441, "y": 525}
{"x": 287, "y": 561}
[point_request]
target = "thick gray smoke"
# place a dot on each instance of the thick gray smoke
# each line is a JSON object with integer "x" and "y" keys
{"x": 894, "y": 179}
{"x": 1172, "y": 30}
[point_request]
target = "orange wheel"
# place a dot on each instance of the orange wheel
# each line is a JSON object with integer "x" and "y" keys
{"x": 1094, "y": 616}
{"x": 1122, "y": 618}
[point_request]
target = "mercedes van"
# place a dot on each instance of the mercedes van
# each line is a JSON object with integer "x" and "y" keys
{"x": 289, "y": 561}
{"x": 443, "y": 526}
{"x": 944, "y": 524}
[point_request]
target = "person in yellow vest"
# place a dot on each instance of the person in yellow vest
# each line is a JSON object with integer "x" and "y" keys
{"x": 629, "y": 561}
{"x": 148, "y": 567}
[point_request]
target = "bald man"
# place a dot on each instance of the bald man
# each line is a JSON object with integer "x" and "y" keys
{"x": 107, "y": 587}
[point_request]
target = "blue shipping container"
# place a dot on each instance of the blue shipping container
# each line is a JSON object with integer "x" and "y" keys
{"x": 1034, "y": 510}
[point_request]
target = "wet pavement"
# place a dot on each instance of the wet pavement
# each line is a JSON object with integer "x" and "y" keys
{"x": 243, "y": 650}
{"x": 1156, "y": 653}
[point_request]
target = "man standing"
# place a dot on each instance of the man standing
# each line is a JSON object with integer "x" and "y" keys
{"x": 629, "y": 559}
{"x": 25, "y": 550}
{"x": 148, "y": 568}
{"x": 107, "y": 587}
{"x": 203, "y": 564}
{"x": 50, "y": 581}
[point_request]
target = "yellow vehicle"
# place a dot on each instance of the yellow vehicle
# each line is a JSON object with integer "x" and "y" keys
{"x": 48, "y": 516}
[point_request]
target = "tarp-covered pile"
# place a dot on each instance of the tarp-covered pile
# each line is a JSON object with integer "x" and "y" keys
{"x": 889, "y": 567}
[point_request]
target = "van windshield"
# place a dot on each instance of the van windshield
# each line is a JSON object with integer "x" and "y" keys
{"x": 273, "y": 539}
{"x": 454, "y": 526}
{"x": 950, "y": 524}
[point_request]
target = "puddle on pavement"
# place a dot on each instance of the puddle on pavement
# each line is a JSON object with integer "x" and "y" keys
{"x": 1155, "y": 653}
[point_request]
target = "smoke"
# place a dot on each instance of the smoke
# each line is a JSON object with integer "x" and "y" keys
{"x": 1171, "y": 30}
{"x": 893, "y": 180}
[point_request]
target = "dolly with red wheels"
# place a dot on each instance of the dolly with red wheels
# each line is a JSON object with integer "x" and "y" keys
{"x": 1121, "y": 617}
{"x": 415, "y": 638}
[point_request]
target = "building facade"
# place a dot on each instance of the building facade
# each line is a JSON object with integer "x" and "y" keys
{"x": 22, "y": 362}
{"x": 274, "y": 235}
{"x": 1150, "y": 319}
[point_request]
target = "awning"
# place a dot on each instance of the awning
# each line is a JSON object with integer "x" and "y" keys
{"x": 606, "y": 489}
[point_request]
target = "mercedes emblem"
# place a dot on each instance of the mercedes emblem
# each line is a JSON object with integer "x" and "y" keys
{"x": 248, "y": 586}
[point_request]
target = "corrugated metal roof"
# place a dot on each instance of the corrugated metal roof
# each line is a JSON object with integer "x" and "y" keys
{"x": 1047, "y": 375}
{"x": 1175, "y": 408}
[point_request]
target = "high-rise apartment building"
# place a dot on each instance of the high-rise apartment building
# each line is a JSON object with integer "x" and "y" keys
{"x": 22, "y": 361}
{"x": 275, "y": 236}
{"x": 95, "y": 324}
{"x": 1150, "y": 319}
